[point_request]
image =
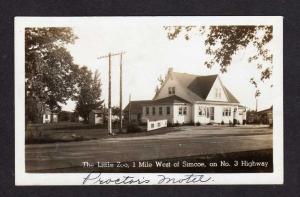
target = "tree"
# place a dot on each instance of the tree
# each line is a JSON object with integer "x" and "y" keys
{"x": 115, "y": 110}
{"x": 89, "y": 92}
{"x": 161, "y": 81}
{"x": 49, "y": 68}
{"x": 223, "y": 42}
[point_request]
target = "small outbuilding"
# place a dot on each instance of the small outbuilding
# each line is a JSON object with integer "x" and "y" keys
{"x": 47, "y": 115}
{"x": 96, "y": 116}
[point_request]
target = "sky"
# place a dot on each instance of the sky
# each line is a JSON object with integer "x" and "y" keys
{"x": 149, "y": 54}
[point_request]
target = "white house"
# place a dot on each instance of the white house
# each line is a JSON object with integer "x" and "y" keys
{"x": 47, "y": 117}
{"x": 186, "y": 98}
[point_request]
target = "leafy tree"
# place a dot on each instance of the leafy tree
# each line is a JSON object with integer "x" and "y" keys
{"x": 115, "y": 110}
{"x": 49, "y": 68}
{"x": 223, "y": 42}
{"x": 89, "y": 92}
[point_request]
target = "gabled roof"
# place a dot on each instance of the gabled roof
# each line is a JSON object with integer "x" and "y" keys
{"x": 270, "y": 109}
{"x": 97, "y": 111}
{"x": 168, "y": 100}
{"x": 230, "y": 96}
{"x": 198, "y": 87}
{"x": 136, "y": 106}
{"x": 202, "y": 85}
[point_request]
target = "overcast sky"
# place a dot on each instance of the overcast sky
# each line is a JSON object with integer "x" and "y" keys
{"x": 149, "y": 54}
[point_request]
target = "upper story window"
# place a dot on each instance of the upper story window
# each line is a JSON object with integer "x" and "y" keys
{"x": 160, "y": 110}
{"x": 171, "y": 90}
{"x": 217, "y": 92}
{"x": 147, "y": 110}
{"x": 153, "y": 110}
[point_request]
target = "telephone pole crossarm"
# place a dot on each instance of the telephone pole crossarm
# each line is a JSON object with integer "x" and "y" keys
{"x": 112, "y": 54}
{"x": 109, "y": 90}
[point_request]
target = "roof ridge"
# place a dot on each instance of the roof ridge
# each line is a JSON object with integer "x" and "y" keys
{"x": 195, "y": 74}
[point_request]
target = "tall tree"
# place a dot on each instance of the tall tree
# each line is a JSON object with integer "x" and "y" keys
{"x": 223, "y": 42}
{"x": 49, "y": 68}
{"x": 89, "y": 92}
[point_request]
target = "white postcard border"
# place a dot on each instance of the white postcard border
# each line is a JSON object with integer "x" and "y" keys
{"x": 23, "y": 178}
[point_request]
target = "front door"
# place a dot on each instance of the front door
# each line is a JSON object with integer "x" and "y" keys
{"x": 212, "y": 113}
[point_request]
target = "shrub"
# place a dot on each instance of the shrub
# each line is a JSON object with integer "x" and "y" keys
{"x": 234, "y": 121}
{"x": 209, "y": 123}
{"x": 189, "y": 123}
{"x": 133, "y": 128}
{"x": 198, "y": 124}
{"x": 222, "y": 123}
{"x": 230, "y": 123}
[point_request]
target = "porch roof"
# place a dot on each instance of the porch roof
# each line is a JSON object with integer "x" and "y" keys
{"x": 167, "y": 100}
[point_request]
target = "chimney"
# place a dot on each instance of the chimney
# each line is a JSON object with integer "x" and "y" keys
{"x": 170, "y": 72}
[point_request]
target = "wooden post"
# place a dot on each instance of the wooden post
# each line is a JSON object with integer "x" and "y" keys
{"x": 121, "y": 111}
{"x": 109, "y": 90}
{"x": 129, "y": 112}
{"x": 109, "y": 95}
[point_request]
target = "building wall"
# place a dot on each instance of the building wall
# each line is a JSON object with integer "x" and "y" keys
{"x": 182, "y": 118}
{"x": 192, "y": 115}
{"x": 241, "y": 115}
{"x": 157, "y": 116}
{"x": 47, "y": 118}
{"x": 95, "y": 118}
{"x": 173, "y": 117}
{"x": 218, "y": 113}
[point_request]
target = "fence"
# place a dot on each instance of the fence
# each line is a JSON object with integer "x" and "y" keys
{"x": 152, "y": 125}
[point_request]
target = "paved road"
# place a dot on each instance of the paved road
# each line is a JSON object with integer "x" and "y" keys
{"x": 188, "y": 142}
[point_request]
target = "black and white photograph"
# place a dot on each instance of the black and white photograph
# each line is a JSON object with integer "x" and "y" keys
{"x": 148, "y": 100}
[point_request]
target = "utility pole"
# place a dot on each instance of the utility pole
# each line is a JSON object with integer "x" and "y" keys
{"x": 109, "y": 95}
{"x": 121, "y": 114}
{"x": 129, "y": 112}
{"x": 109, "y": 90}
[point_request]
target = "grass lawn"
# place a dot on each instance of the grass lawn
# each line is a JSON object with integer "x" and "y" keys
{"x": 71, "y": 131}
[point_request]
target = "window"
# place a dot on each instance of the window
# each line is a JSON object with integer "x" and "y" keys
{"x": 46, "y": 116}
{"x": 218, "y": 93}
{"x": 168, "y": 110}
{"x": 147, "y": 110}
{"x": 153, "y": 110}
{"x": 184, "y": 110}
{"x": 171, "y": 90}
{"x": 152, "y": 125}
{"x": 207, "y": 112}
{"x": 202, "y": 111}
{"x": 226, "y": 111}
{"x": 158, "y": 124}
{"x": 180, "y": 111}
{"x": 160, "y": 110}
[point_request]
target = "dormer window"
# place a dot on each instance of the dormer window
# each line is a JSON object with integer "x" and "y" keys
{"x": 171, "y": 90}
